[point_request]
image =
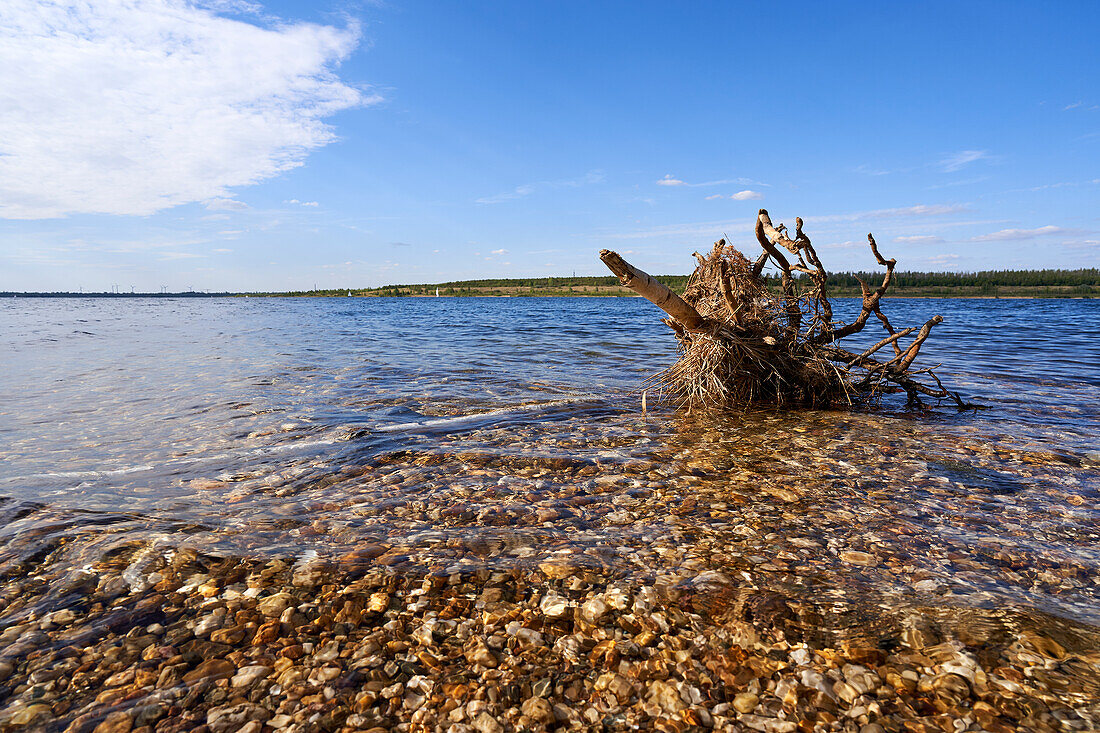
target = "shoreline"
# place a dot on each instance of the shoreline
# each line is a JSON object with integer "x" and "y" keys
{"x": 172, "y": 296}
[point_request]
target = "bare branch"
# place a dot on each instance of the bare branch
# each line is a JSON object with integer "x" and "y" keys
{"x": 657, "y": 293}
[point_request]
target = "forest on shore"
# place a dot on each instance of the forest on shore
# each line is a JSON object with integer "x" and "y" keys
{"x": 1082, "y": 283}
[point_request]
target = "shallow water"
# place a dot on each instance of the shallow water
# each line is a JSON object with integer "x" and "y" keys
{"x": 458, "y": 434}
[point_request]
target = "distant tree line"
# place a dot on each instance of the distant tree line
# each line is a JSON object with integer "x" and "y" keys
{"x": 992, "y": 282}
{"x": 995, "y": 278}
{"x": 843, "y": 281}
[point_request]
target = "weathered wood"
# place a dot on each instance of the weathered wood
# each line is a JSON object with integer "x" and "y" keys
{"x": 757, "y": 348}
{"x": 655, "y": 292}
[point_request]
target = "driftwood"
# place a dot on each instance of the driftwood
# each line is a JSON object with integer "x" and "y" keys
{"x": 743, "y": 344}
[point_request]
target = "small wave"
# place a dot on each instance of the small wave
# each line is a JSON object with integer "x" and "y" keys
{"x": 483, "y": 418}
{"x": 86, "y": 474}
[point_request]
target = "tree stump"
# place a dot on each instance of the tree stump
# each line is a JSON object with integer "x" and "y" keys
{"x": 741, "y": 343}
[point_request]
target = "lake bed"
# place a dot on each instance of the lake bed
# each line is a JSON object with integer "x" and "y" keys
{"x": 451, "y": 514}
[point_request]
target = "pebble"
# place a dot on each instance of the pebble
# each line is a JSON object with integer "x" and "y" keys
{"x": 467, "y": 590}
{"x": 745, "y": 702}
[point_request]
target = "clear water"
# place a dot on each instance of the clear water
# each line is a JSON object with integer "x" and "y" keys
{"x": 509, "y": 431}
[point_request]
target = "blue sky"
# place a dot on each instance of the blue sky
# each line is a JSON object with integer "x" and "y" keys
{"x": 223, "y": 145}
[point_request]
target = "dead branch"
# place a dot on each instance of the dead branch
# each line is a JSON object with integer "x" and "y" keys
{"x": 741, "y": 343}
{"x": 658, "y": 294}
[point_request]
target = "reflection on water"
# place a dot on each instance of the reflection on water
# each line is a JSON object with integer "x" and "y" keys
{"x": 449, "y": 437}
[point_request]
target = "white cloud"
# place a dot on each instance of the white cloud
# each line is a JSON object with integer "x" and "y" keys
{"x": 747, "y": 195}
{"x": 499, "y": 252}
{"x": 590, "y": 178}
{"x": 918, "y": 210}
{"x": 919, "y": 239}
{"x": 1075, "y": 105}
{"x": 517, "y": 193}
{"x": 296, "y": 202}
{"x": 173, "y": 256}
{"x": 739, "y": 196}
{"x": 133, "y": 107}
{"x": 1008, "y": 235}
{"x": 670, "y": 180}
{"x": 226, "y": 204}
{"x": 961, "y": 159}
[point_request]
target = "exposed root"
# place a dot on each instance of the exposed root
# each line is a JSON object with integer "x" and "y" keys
{"x": 743, "y": 344}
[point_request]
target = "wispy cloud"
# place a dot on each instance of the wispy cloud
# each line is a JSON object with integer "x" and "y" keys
{"x": 670, "y": 180}
{"x": 225, "y": 204}
{"x": 173, "y": 256}
{"x": 1011, "y": 235}
{"x": 961, "y": 159}
{"x": 499, "y": 252}
{"x": 128, "y": 246}
{"x": 1074, "y": 105}
{"x": 919, "y": 210}
{"x": 519, "y": 192}
{"x": 869, "y": 171}
{"x": 130, "y": 108}
{"x": 296, "y": 202}
{"x": 745, "y": 195}
{"x": 942, "y": 259}
{"x": 1060, "y": 184}
{"x": 919, "y": 239}
{"x": 955, "y": 184}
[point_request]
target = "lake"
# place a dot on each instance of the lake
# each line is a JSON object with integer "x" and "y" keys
{"x": 481, "y": 468}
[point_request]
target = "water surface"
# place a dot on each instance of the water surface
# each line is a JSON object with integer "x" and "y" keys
{"x": 466, "y": 433}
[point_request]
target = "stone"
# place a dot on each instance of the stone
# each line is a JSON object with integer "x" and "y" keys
{"x": 479, "y": 653}
{"x": 378, "y": 602}
{"x": 310, "y": 574}
{"x": 215, "y": 669}
{"x": 854, "y": 557}
{"x": 845, "y": 692}
{"x": 30, "y": 714}
{"x": 231, "y": 636}
{"x": 538, "y": 710}
{"x": 246, "y": 676}
{"x": 594, "y": 610}
{"x": 665, "y": 696}
{"x": 554, "y": 606}
{"x": 615, "y": 684}
{"x": 745, "y": 702}
{"x": 267, "y": 633}
{"x": 117, "y": 722}
{"x": 558, "y": 569}
{"x": 274, "y": 605}
{"x": 231, "y": 718}
{"x": 485, "y": 723}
